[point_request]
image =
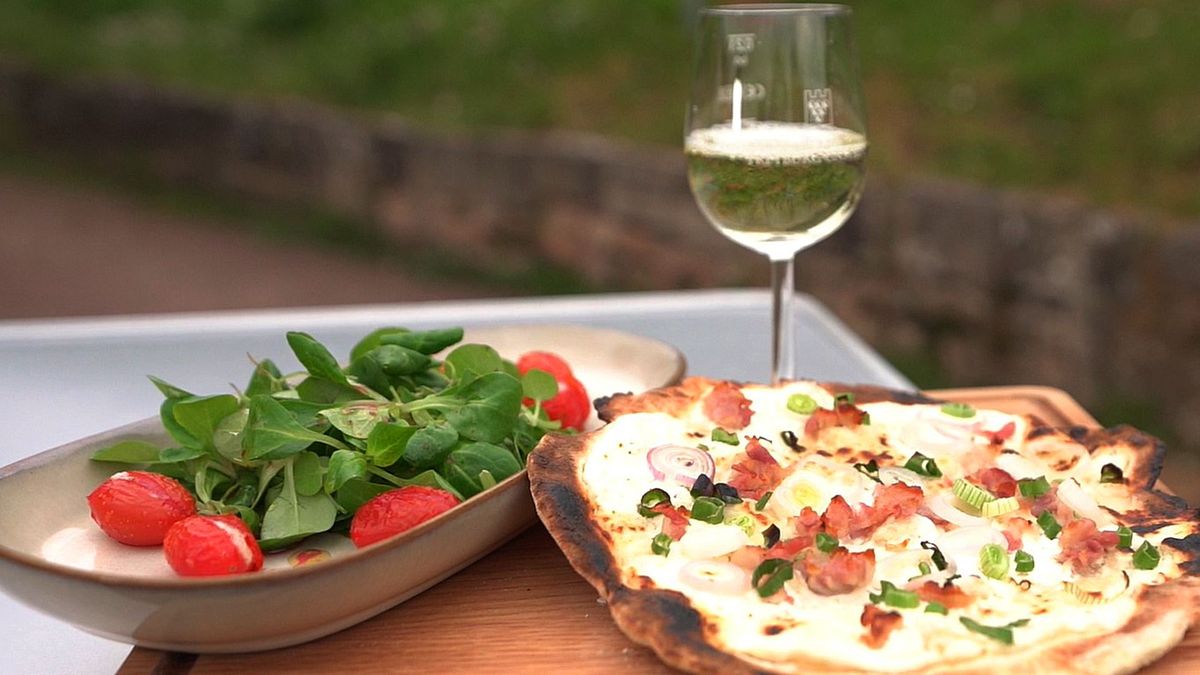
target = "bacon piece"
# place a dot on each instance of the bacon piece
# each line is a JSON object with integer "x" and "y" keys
{"x": 758, "y": 473}
{"x": 750, "y": 557}
{"x": 879, "y": 625}
{"x": 891, "y": 501}
{"x": 837, "y": 517}
{"x": 1012, "y": 540}
{"x": 996, "y": 481}
{"x": 948, "y": 595}
{"x": 898, "y": 501}
{"x": 843, "y": 415}
{"x": 1084, "y": 546}
{"x": 1015, "y": 529}
{"x": 675, "y": 520}
{"x": 1002, "y": 434}
{"x": 727, "y": 407}
{"x": 807, "y": 524}
{"x": 1049, "y": 502}
{"x": 838, "y": 572}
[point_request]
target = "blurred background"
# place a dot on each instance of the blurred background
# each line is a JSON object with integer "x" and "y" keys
{"x": 1030, "y": 216}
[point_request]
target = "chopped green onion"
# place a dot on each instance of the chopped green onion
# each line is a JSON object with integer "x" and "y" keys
{"x": 1024, "y": 562}
{"x": 869, "y": 469}
{"x": 790, "y": 440}
{"x": 922, "y": 465}
{"x": 939, "y": 560}
{"x": 826, "y": 542}
{"x": 1049, "y": 525}
{"x": 1146, "y": 557}
{"x": 1033, "y": 487}
{"x": 925, "y": 568}
{"x": 845, "y": 398}
{"x": 704, "y": 447}
{"x": 660, "y": 544}
{"x": 745, "y": 522}
{"x": 1111, "y": 473}
{"x": 935, "y": 608}
{"x": 721, "y": 436}
{"x": 1124, "y": 538}
{"x": 770, "y": 576}
{"x": 762, "y": 501}
{"x": 999, "y": 633}
{"x": 958, "y": 410}
{"x": 993, "y": 561}
{"x": 1000, "y": 506}
{"x": 708, "y": 510}
{"x": 894, "y": 597}
{"x": 653, "y": 498}
{"x": 771, "y": 536}
{"x": 971, "y": 494}
{"x": 802, "y": 404}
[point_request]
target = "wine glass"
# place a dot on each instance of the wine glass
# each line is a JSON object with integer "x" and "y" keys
{"x": 775, "y": 136}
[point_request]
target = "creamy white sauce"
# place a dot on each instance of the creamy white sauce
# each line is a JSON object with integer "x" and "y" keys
{"x": 618, "y": 471}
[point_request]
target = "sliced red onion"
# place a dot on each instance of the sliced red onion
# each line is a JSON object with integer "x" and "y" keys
{"x": 1072, "y": 494}
{"x": 715, "y": 576}
{"x": 679, "y": 463}
{"x": 943, "y": 506}
{"x": 935, "y": 434}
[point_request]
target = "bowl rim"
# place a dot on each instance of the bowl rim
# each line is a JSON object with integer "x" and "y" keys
{"x": 152, "y": 426}
{"x": 274, "y": 576}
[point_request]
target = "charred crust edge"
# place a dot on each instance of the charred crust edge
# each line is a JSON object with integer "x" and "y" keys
{"x": 1149, "y": 452}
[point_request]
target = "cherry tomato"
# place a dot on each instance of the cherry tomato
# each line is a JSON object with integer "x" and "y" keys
{"x": 571, "y": 406}
{"x": 205, "y": 546}
{"x": 547, "y": 361}
{"x": 396, "y": 511}
{"x": 138, "y": 507}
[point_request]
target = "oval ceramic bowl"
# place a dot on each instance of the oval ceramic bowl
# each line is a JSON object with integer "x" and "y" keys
{"x": 53, "y": 558}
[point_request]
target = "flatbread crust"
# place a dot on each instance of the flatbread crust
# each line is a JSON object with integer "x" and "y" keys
{"x": 667, "y": 622}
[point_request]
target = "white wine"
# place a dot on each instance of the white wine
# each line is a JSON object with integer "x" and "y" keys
{"x": 773, "y": 187}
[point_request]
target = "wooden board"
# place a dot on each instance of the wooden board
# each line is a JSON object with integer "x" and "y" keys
{"x": 523, "y": 609}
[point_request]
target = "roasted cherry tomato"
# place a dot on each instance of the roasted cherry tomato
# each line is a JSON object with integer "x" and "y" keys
{"x": 571, "y": 406}
{"x": 138, "y": 507}
{"x": 396, "y": 511}
{"x": 205, "y": 546}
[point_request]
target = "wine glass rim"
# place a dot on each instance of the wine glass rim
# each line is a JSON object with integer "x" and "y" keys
{"x": 776, "y": 8}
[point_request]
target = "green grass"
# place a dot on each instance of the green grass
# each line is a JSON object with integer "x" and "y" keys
{"x": 1083, "y": 97}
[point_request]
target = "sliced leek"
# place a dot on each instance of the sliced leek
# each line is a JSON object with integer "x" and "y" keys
{"x": 971, "y": 494}
{"x": 999, "y": 507}
{"x": 993, "y": 561}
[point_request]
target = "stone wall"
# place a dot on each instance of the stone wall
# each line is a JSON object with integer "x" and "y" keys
{"x": 998, "y": 287}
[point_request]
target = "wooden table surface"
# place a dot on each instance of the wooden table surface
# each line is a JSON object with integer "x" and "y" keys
{"x": 522, "y": 609}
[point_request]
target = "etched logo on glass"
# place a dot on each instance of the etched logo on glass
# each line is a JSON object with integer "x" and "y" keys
{"x": 740, "y": 45}
{"x": 818, "y": 106}
{"x": 751, "y": 91}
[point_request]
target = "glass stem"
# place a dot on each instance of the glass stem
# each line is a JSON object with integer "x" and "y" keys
{"x": 783, "y": 344}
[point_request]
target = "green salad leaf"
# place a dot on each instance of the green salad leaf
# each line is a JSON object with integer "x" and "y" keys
{"x": 295, "y": 454}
